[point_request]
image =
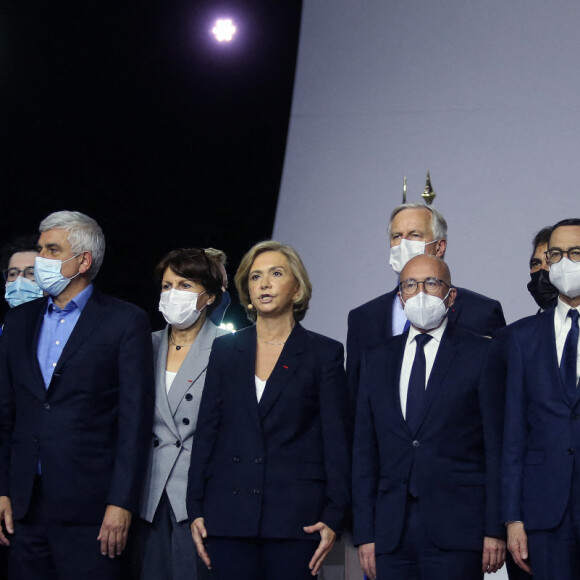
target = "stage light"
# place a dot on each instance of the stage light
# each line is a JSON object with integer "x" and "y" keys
{"x": 224, "y": 30}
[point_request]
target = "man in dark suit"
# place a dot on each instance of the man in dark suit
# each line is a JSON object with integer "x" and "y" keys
{"x": 414, "y": 229}
{"x": 76, "y": 402}
{"x": 427, "y": 443}
{"x": 540, "y": 475}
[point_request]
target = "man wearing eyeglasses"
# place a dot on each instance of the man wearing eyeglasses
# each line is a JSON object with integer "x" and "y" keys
{"x": 414, "y": 229}
{"x": 540, "y": 472}
{"x": 427, "y": 443}
{"x": 18, "y": 270}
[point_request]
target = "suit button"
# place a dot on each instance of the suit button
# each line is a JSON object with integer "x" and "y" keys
{"x": 47, "y": 406}
{"x": 155, "y": 442}
{"x": 186, "y": 421}
{"x": 405, "y": 481}
{"x": 178, "y": 444}
{"x": 258, "y": 460}
{"x": 416, "y": 443}
{"x": 35, "y": 439}
{"x": 575, "y": 417}
{"x": 236, "y": 490}
{"x": 188, "y": 397}
{"x": 236, "y": 459}
{"x": 571, "y": 451}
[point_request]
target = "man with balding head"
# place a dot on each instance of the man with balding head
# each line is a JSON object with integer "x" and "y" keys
{"x": 427, "y": 442}
{"x": 414, "y": 229}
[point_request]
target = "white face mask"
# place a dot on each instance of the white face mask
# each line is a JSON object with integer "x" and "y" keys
{"x": 48, "y": 275}
{"x": 426, "y": 311}
{"x": 406, "y": 250}
{"x": 565, "y": 275}
{"x": 179, "y": 307}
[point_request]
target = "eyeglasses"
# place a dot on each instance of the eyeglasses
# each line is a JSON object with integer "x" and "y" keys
{"x": 554, "y": 255}
{"x": 430, "y": 285}
{"x": 10, "y": 274}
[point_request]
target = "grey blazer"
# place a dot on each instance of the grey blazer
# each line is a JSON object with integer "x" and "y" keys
{"x": 174, "y": 421}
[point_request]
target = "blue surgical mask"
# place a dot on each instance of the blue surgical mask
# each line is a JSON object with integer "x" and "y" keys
{"x": 21, "y": 290}
{"x": 48, "y": 275}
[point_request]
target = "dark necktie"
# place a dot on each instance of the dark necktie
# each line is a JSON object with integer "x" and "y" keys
{"x": 417, "y": 380}
{"x": 570, "y": 355}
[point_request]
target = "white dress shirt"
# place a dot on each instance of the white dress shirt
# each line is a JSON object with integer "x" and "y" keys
{"x": 562, "y": 324}
{"x": 260, "y": 386}
{"x": 430, "y": 350}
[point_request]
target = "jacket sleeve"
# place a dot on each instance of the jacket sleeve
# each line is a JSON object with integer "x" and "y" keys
{"x": 365, "y": 476}
{"x": 336, "y": 438}
{"x": 136, "y": 399}
{"x": 491, "y": 402}
{"x": 208, "y": 422}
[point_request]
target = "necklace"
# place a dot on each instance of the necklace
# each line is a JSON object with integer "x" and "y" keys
{"x": 178, "y": 346}
{"x": 272, "y": 343}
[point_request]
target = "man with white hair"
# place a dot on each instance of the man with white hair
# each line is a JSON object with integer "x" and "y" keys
{"x": 414, "y": 229}
{"x": 76, "y": 403}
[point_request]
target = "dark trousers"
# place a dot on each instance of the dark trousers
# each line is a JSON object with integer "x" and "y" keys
{"x": 164, "y": 548}
{"x": 555, "y": 554}
{"x": 45, "y": 549}
{"x": 417, "y": 558}
{"x": 260, "y": 559}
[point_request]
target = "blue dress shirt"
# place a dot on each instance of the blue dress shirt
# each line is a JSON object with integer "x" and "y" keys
{"x": 57, "y": 326}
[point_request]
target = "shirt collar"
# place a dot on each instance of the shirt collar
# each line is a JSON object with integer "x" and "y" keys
{"x": 79, "y": 301}
{"x": 436, "y": 333}
{"x": 562, "y": 310}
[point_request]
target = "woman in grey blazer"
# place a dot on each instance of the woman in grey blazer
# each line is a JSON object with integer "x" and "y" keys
{"x": 191, "y": 288}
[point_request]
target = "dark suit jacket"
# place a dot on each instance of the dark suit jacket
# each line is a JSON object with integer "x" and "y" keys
{"x": 453, "y": 458}
{"x": 373, "y": 322}
{"x": 268, "y": 469}
{"x": 542, "y": 428}
{"x": 91, "y": 428}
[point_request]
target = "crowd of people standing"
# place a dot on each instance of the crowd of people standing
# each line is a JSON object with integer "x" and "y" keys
{"x": 193, "y": 452}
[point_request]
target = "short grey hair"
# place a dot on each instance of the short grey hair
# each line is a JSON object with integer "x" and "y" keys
{"x": 438, "y": 223}
{"x": 84, "y": 235}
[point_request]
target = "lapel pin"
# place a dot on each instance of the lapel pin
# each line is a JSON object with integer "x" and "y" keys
{"x": 285, "y": 366}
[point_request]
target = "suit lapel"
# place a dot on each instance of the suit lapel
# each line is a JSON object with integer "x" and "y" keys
{"x": 547, "y": 343}
{"x": 161, "y": 399}
{"x": 91, "y": 316}
{"x": 446, "y": 353}
{"x": 194, "y": 364}
{"x": 394, "y": 360}
{"x": 287, "y": 364}
{"x": 245, "y": 368}
{"x": 32, "y": 334}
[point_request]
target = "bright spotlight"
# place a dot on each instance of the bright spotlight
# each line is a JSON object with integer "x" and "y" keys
{"x": 224, "y": 30}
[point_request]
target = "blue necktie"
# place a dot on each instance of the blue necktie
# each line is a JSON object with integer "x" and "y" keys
{"x": 570, "y": 355}
{"x": 417, "y": 383}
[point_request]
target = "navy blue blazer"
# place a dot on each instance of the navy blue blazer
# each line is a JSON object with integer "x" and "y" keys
{"x": 373, "y": 322}
{"x": 91, "y": 428}
{"x": 542, "y": 428}
{"x": 268, "y": 469}
{"x": 453, "y": 458}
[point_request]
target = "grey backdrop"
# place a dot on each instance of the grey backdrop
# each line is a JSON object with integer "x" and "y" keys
{"x": 484, "y": 93}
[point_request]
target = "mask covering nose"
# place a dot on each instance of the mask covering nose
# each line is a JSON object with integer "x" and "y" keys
{"x": 21, "y": 290}
{"x": 48, "y": 275}
{"x": 406, "y": 250}
{"x": 542, "y": 290}
{"x": 565, "y": 275}
{"x": 426, "y": 311}
{"x": 179, "y": 307}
